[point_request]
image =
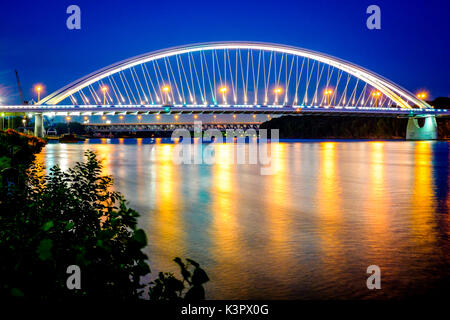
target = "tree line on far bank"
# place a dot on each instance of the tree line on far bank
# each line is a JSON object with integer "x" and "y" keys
{"x": 345, "y": 127}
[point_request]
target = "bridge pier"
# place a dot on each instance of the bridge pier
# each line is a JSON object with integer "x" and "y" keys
{"x": 427, "y": 132}
{"x": 39, "y": 125}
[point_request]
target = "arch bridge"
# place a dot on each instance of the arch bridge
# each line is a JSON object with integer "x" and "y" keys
{"x": 238, "y": 78}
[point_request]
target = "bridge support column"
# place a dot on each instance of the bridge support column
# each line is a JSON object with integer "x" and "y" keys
{"x": 427, "y": 132}
{"x": 38, "y": 125}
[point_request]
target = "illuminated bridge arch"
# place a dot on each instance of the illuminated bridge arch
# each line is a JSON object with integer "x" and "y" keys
{"x": 234, "y": 73}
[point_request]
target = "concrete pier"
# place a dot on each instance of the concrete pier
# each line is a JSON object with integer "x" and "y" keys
{"x": 428, "y": 132}
{"x": 38, "y": 125}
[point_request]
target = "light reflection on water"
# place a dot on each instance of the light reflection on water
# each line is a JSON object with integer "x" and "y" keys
{"x": 308, "y": 231}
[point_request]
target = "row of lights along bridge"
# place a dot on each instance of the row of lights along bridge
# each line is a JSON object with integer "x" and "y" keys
{"x": 223, "y": 90}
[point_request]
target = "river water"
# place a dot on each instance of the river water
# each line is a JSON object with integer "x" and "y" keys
{"x": 309, "y": 230}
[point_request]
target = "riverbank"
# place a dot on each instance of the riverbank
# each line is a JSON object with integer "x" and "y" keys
{"x": 17, "y": 149}
{"x": 345, "y": 127}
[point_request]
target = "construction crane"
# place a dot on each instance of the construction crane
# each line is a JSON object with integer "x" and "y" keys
{"x": 22, "y": 101}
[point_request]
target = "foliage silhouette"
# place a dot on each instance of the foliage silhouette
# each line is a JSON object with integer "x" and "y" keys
{"x": 73, "y": 218}
{"x": 168, "y": 287}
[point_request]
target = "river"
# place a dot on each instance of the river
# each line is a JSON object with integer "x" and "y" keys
{"x": 307, "y": 231}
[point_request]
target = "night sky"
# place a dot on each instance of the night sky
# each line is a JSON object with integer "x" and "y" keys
{"x": 411, "y": 49}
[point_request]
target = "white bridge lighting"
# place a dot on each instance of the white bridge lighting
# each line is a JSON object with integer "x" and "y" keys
{"x": 244, "y": 70}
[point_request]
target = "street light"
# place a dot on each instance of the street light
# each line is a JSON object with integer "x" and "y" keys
{"x": 104, "y": 90}
{"x": 166, "y": 90}
{"x": 376, "y": 95}
{"x": 277, "y": 92}
{"x": 328, "y": 92}
{"x": 68, "y": 124}
{"x": 223, "y": 90}
{"x": 38, "y": 90}
{"x": 422, "y": 95}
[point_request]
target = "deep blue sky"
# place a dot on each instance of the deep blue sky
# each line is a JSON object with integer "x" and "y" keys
{"x": 412, "y": 47}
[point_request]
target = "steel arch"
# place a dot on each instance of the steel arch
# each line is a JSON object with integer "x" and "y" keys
{"x": 395, "y": 92}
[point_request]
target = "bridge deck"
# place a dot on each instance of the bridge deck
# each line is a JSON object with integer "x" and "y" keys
{"x": 220, "y": 109}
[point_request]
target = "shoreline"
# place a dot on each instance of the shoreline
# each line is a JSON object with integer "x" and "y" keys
{"x": 168, "y": 140}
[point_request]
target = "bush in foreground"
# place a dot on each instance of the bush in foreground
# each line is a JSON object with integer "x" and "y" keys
{"x": 73, "y": 218}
